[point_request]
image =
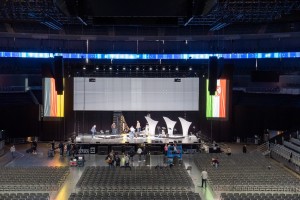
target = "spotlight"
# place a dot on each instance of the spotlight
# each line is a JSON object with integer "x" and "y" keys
{"x": 137, "y": 68}
{"x": 163, "y": 68}
{"x": 84, "y": 68}
{"x": 110, "y": 68}
{"x": 190, "y": 68}
{"x": 176, "y": 69}
{"x": 124, "y": 68}
{"x": 97, "y": 68}
{"x": 150, "y": 68}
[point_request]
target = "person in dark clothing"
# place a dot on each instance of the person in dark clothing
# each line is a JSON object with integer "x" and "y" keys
{"x": 68, "y": 149}
{"x": 131, "y": 153}
{"x": 117, "y": 160}
{"x": 244, "y": 149}
{"x": 34, "y": 147}
{"x": 53, "y": 145}
{"x": 61, "y": 148}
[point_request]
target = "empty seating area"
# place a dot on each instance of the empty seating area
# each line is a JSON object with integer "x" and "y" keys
{"x": 295, "y": 141}
{"x": 292, "y": 146}
{"x": 137, "y": 179}
{"x": 23, "y": 196}
{"x": 285, "y": 153}
{"x": 259, "y": 196}
{"x": 32, "y": 178}
{"x": 129, "y": 195}
{"x": 247, "y": 172}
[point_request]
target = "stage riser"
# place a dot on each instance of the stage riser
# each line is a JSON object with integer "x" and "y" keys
{"x": 101, "y": 149}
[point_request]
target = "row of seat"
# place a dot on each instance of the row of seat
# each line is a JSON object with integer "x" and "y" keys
{"x": 22, "y": 196}
{"x": 292, "y": 146}
{"x": 285, "y": 153}
{"x": 32, "y": 178}
{"x": 295, "y": 141}
{"x": 138, "y": 178}
{"x": 134, "y": 195}
{"x": 246, "y": 172}
{"x": 259, "y": 196}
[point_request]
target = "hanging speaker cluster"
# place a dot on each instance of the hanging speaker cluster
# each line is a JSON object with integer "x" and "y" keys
{"x": 59, "y": 74}
{"x": 212, "y": 74}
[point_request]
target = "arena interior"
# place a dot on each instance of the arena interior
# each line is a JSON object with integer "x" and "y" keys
{"x": 172, "y": 99}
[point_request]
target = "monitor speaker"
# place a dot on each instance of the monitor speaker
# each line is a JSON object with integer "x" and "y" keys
{"x": 212, "y": 74}
{"x": 59, "y": 74}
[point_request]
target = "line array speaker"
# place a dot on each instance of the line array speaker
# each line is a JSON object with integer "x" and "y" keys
{"x": 59, "y": 74}
{"x": 212, "y": 74}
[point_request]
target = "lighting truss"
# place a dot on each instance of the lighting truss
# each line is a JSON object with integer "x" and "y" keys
{"x": 201, "y": 56}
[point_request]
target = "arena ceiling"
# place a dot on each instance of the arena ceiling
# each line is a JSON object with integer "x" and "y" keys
{"x": 86, "y": 17}
{"x": 157, "y": 26}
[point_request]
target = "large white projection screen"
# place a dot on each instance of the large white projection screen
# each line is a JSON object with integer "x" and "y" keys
{"x": 136, "y": 94}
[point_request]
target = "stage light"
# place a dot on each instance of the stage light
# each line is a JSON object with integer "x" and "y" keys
{"x": 137, "y": 69}
{"x": 110, "y": 68}
{"x": 124, "y": 68}
{"x": 84, "y": 68}
{"x": 163, "y": 68}
{"x": 190, "y": 68}
{"x": 176, "y": 69}
{"x": 97, "y": 68}
{"x": 150, "y": 68}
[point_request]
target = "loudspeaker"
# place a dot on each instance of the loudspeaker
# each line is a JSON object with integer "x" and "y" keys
{"x": 59, "y": 74}
{"x": 212, "y": 74}
{"x": 264, "y": 76}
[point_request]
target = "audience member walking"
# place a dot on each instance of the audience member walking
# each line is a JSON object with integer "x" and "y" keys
{"x": 13, "y": 150}
{"x": 204, "y": 176}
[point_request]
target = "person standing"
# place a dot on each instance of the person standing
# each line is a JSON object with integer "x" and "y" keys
{"x": 61, "y": 148}
{"x": 114, "y": 128}
{"x": 53, "y": 145}
{"x": 117, "y": 160}
{"x": 228, "y": 151}
{"x": 12, "y": 151}
{"x": 166, "y": 148}
{"x": 127, "y": 160}
{"x": 244, "y": 149}
{"x": 34, "y": 147}
{"x": 139, "y": 152}
{"x": 138, "y": 126}
{"x": 131, "y": 134}
{"x": 93, "y": 131}
{"x": 204, "y": 176}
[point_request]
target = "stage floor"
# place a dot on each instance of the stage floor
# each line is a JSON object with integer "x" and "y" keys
{"x": 124, "y": 138}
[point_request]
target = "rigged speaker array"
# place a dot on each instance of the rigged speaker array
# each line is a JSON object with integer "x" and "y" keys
{"x": 212, "y": 74}
{"x": 59, "y": 74}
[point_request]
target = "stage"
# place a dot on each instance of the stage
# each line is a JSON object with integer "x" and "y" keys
{"x": 103, "y": 143}
{"x": 125, "y": 139}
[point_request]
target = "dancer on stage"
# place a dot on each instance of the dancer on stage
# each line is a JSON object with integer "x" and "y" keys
{"x": 131, "y": 134}
{"x": 138, "y": 126}
{"x": 93, "y": 131}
